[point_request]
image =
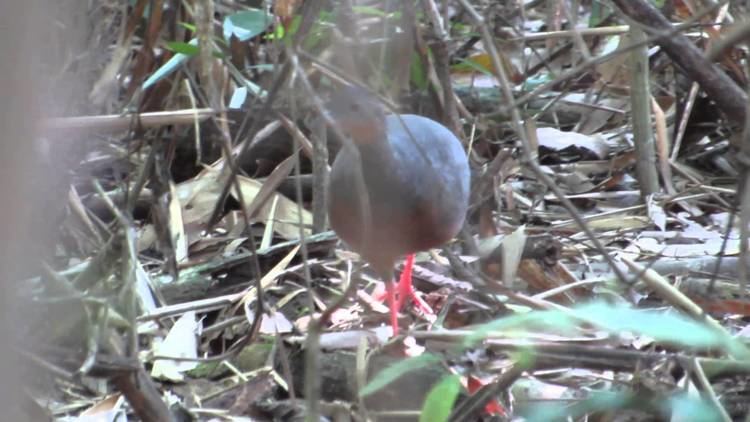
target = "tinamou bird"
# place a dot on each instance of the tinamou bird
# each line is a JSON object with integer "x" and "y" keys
{"x": 415, "y": 176}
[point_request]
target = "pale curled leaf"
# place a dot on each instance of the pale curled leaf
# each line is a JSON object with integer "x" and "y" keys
{"x": 108, "y": 409}
{"x": 182, "y": 342}
{"x": 176, "y": 227}
{"x": 557, "y": 140}
{"x": 275, "y": 323}
{"x": 246, "y": 24}
{"x": 656, "y": 213}
{"x": 513, "y": 245}
{"x": 199, "y": 195}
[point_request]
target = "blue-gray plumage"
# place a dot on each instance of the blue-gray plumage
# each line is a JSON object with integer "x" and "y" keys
{"x": 416, "y": 175}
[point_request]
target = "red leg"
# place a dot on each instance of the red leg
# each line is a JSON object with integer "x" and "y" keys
{"x": 391, "y": 297}
{"x": 406, "y": 289}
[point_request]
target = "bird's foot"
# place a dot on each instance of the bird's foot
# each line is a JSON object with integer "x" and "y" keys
{"x": 406, "y": 290}
{"x": 393, "y": 304}
{"x": 396, "y": 293}
{"x": 381, "y": 294}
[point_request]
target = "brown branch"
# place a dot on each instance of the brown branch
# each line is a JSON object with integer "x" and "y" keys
{"x": 730, "y": 98}
{"x": 142, "y": 395}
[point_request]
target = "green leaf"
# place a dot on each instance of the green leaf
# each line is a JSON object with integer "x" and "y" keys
{"x": 599, "y": 13}
{"x": 395, "y": 371}
{"x": 263, "y": 67}
{"x": 597, "y": 401}
{"x": 663, "y": 326}
{"x": 468, "y": 64}
{"x": 184, "y": 52}
{"x": 684, "y": 407}
{"x": 278, "y": 33}
{"x": 369, "y": 10}
{"x": 183, "y": 48}
{"x": 418, "y": 74}
{"x": 667, "y": 327}
{"x": 439, "y": 402}
{"x": 189, "y": 26}
{"x": 294, "y": 27}
{"x": 170, "y": 66}
{"x": 678, "y": 407}
{"x": 246, "y": 24}
{"x": 535, "y": 81}
{"x": 320, "y": 31}
{"x": 556, "y": 321}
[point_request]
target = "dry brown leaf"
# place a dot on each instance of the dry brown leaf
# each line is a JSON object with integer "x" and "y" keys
{"x": 270, "y": 277}
{"x": 200, "y": 194}
{"x": 287, "y": 215}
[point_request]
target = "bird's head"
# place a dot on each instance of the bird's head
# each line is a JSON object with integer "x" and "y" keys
{"x": 357, "y": 114}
